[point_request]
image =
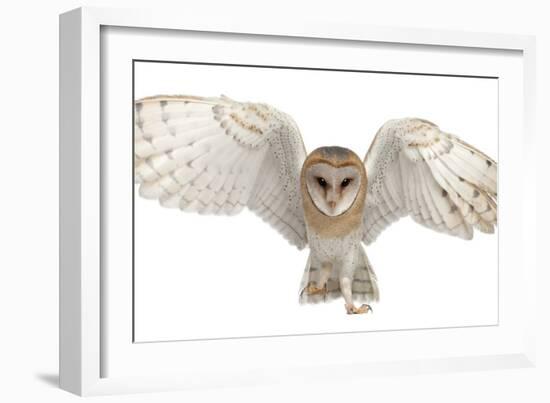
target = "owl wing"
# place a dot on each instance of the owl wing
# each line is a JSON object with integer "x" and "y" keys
{"x": 414, "y": 168}
{"x": 216, "y": 156}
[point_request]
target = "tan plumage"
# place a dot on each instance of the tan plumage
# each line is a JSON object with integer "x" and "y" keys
{"x": 351, "y": 219}
{"x": 218, "y": 156}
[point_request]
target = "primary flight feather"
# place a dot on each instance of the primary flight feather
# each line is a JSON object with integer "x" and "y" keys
{"x": 218, "y": 156}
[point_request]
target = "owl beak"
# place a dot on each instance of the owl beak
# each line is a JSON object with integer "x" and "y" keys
{"x": 332, "y": 204}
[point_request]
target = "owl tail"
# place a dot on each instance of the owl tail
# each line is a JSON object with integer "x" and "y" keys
{"x": 364, "y": 287}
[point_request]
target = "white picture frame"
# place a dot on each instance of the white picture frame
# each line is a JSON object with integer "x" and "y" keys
{"x": 85, "y": 347}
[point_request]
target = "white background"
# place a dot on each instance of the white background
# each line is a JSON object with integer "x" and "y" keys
{"x": 210, "y": 277}
{"x": 28, "y": 294}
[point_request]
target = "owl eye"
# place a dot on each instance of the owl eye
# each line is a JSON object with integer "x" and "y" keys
{"x": 346, "y": 182}
{"x": 322, "y": 182}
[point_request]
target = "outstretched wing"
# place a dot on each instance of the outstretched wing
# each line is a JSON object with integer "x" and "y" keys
{"x": 216, "y": 156}
{"x": 414, "y": 168}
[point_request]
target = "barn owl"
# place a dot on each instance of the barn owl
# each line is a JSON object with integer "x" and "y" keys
{"x": 217, "y": 156}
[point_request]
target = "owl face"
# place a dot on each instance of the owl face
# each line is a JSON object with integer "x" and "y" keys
{"x": 332, "y": 189}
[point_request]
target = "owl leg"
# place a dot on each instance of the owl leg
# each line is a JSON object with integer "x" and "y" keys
{"x": 346, "y": 282}
{"x": 321, "y": 287}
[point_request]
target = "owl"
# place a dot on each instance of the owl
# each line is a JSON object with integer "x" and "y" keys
{"x": 217, "y": 156}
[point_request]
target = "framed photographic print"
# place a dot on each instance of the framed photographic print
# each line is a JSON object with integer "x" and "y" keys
{"x": 242, "y": 203}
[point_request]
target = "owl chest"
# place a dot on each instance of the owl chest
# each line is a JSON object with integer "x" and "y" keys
{"x": 333, "y": 249}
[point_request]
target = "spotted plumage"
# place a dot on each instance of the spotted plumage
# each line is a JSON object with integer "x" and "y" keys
{"x": 218, "y": 156}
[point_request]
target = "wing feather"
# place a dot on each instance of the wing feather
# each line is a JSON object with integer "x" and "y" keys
{"x": 445, "y": 183}
{"x": 218, "y": 156}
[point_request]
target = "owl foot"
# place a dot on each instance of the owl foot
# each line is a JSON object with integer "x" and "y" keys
{"x": 313, "y": 290}
{"x": 352, "y": 309}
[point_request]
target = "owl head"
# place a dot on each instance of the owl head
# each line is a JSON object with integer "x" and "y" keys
{"x": 333, "y": 179}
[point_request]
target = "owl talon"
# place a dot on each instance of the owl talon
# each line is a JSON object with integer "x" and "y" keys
{"x": 352, "y": 309}
{"x": 313, "y": 290}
